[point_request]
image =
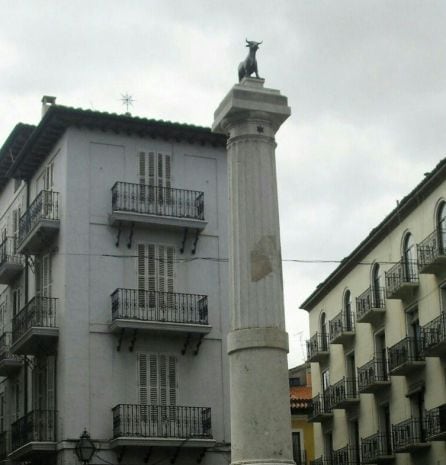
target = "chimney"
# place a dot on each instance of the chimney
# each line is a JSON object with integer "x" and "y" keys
{"x": 47, "y": 101}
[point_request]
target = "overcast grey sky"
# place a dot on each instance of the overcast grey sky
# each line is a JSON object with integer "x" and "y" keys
{"x": 366, "y": 81}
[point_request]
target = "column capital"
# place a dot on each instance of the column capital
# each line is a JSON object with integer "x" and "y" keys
{"x": 253, "y": 106}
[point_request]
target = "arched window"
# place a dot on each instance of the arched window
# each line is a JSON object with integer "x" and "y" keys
{"x": 409, "y": 258}
{"x": 441, "y": 228}
{"x": 348, "y": 310}
{"x": 323, "y": 331}
{"x": 376, "y": 286}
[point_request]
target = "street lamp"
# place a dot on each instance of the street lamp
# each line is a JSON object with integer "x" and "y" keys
{"x": 85, "y": 448}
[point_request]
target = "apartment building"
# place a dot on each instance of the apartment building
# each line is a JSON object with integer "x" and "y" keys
{"x": 113, "y": 301}
{"x": 300, "y": 401}
{"x": 378, "y": 340}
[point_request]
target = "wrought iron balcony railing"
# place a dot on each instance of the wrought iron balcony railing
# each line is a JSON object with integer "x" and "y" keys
{"x": 35, "y": 426}
{"x": 431, "y": 252}
{"x": 321, "y": 406}
{"x": 409, "y": 435}
{"x": 38, "y": 312}
{"x": 342, "y": 326}
{"x": 436, "y": 423}
{"x": 317, "y": 347}
{"x": 434, "y": 336}
{"x": 161, "y": 421}
{"x": 44, "y": 207}
{"x": 158, "y": 201}
{"x": 344, "y": 392}
{"x": 370, "y": 305}
{"x": 376, "y": 447}
{"x": 373, "y": 375}
{"x": 345, "y": 456}
{"x": 134, "y": 304}
{"x": 399, "y": 277}
{"x": 406, "y": 355}
{"x": 8, "y": 252}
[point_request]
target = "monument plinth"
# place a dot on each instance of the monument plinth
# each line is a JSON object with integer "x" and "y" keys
{"x": 258, "y": 344}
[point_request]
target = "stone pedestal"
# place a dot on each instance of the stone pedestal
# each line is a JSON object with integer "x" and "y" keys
{"x": 257, "y": 344}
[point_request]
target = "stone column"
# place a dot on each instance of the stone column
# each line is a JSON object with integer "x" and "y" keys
{"x": 257, "y": 344}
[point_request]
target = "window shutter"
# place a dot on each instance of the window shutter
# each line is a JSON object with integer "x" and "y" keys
{"x": 172, "y": 381}
{"x": 170, "y": 257}
{"x": 167, "y": 171}
{"x": 50, "y": 382}
{"x": 142, "y": 379}
{"x": 141, "y": 275}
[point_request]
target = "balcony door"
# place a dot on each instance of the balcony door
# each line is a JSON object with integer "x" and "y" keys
{"x": 441, "y": 228}
{"x": 154, "y": 175}
{"x": 43, "y": 273}
{"x": 156, "y": 282}
{"x": 157, "y": 389}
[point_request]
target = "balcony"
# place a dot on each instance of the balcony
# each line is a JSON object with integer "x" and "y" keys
{"x": 157, "y": 206}
{"x": 431, "y": 253}
{"x": 159, "y": 311}
{"x": 345, "y": 393}
{"x": 434, "y": 337}
{"x": 317, "y": 348}
{"x": 34, "y": 328}
{"x": 161, "y": 426}
{"x": 321, "y": 408}
{"x": 405, "y": 356}
{"x": 409, "y": 436}
{"x": 373, "y": 376}
{"x": 300, "y": 406}
{"x": 11, "y": 263}
{"x": 34, "y": 434}
{"x": 436, "y": 424}
{"x": 345, "y": 456}
{"x": 377, "y": 449}
{"x": 342, "y": 328}
{"x": 402, "y": 280}
{"x": 9, "y": 362}
{"x": 39, "y": 224}
{"x": 371, "y": 306}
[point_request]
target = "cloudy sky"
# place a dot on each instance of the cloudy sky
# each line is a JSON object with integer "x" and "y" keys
{"x": 366, "y": 81}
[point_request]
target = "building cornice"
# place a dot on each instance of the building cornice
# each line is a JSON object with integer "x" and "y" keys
{"x": 58, "y": 119}
{"x": 404, "y": 208}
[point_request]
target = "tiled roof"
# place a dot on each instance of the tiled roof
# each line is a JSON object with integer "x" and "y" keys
{"x": 406, "y": 206}
{"x": 58, "y": 118}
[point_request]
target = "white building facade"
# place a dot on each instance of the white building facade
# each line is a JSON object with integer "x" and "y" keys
{"x": 114, "y": 290}
{"x": 378, "y": 340}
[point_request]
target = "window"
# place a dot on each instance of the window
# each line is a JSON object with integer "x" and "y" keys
{"x": 385, "y": 427}
{"x": 409, "y": 258}
{"x": 157, "y": 385}
{"x": 297, "y": 447}
{"x": 44, "y": 381}
{"x": 323, "y": 331}
{"x": 348, "y": 310}
{"x": 441, "y": 228}
{"x": 43, "y": 273}
{"x": 154, "y": 171}
{"x": 16, "y": 300}
{"x": 155, "y": 275}
{"x": 376, "y": 286}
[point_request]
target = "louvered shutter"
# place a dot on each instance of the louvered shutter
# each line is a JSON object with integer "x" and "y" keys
{"x": 50, "y": 382}
{"x": 141, "y": 277}
{"x": 153, "y": 380}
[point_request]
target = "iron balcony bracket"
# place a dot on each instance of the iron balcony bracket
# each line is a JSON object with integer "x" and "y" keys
{"x": 132, "y": 228}
{"x": 147, "y": 456}
{"x": 194, "y": 247}
{"x": 121, "y": 337}
{"x": 197, "y": 348}
{"x": 183, "y": 242}
{"x": 200, "y": 457}
{"x": 121, "y": 454}
{"x": 186, "y": 344}
{"x": 175, "y": 455}
{"x": 133, "y": 341}
{"x": 118, "y": 237}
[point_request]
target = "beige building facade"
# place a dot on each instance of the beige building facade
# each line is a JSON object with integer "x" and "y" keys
{"x": 378, "y": 340}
